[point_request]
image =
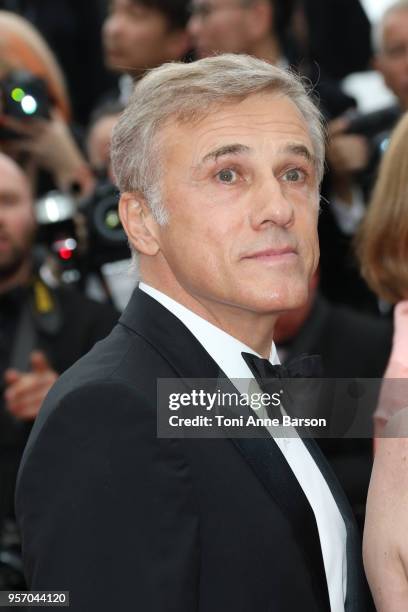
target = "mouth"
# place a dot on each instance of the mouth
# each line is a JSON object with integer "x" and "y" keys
{"x": 273, "y": 255}
{"x": 111, "y": 51}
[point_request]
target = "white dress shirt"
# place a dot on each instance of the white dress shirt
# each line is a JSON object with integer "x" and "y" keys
{"x": 226, "y": 352}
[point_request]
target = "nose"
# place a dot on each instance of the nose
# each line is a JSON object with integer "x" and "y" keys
{"x": 194, "y": 26}
{"x": 271, "y": 206}
{"x": 111, "y": 27}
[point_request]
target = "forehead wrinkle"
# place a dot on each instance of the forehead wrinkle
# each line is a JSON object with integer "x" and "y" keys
{"x": 232, "y": 130}
{"x": 213, "y": 131}
{"x": 253, "y": 119}
{"x": 295, "y": 147}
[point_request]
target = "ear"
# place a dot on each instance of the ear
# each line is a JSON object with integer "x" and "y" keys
{"x": 138, "y": 223}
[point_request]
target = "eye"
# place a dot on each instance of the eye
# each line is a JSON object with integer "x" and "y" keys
{"x": 294, "y": 176}
{"x": 227, "y": 176}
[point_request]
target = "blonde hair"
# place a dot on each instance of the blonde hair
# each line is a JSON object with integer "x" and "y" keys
{"x": 382, "y": 239}
{"x": 22, "y": 47}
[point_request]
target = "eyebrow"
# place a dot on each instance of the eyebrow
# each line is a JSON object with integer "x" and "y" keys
{"x": 300, "y": 150}
{"x": 231, "y": 149}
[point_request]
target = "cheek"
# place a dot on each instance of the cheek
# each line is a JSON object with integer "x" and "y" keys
{"x": 393, "y": 74}
{"x": 220, "y": 31}
{"x": 308, "y": 238}
{"x": 151, "y": 36}
{"x": 198, "y": 243}
{"x": 22, "y": 227}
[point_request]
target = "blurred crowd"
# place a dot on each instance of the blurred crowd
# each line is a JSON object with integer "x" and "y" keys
{"x": 67, "y": 69}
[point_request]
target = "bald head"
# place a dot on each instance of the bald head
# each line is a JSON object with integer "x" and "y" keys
{"x": 17, "y": 223}
{"x": 391, "y": 13}
{"x": 11, "y": 171}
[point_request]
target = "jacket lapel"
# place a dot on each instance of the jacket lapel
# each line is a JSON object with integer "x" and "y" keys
{"x": 169, "y": 336}
{"x": 270, "y": 466}
{"x": 355, "y": 596}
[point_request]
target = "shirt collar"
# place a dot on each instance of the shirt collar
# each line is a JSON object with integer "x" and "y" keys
{"x": 223, "y": 348}
{"x": 126, "y": 86}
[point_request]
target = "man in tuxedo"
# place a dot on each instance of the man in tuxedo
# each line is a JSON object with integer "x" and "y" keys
{"x": 219, "y": 164}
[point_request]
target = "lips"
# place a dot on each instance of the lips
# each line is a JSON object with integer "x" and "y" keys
{"x": 112, "y": 49}
{"x": 271, "y": 254}
{"x": 112, "y": 52}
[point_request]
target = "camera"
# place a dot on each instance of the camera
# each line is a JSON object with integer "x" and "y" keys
{"x": 82, "y": 236}
{"x": 376, "y": 127}
{"x": 107, "y": 241}
{"x": 23, "y": 96}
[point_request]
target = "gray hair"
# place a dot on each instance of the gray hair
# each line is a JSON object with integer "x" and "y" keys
{"x": 378, "y": 29}
{"x": 187, "y": 92}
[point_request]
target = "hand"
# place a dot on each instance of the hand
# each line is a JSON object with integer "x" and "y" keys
{"x": 51, "y": 146}
{"x": 346, "y": 153}
{"x": 26, "y": 391}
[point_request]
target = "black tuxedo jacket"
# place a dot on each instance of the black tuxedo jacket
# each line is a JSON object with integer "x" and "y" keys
{"x": 351, "y": 345}
{"x": 127, "y": 521}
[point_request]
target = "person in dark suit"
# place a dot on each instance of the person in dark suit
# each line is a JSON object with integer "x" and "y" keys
{"x": 327, "y": 21}
{"x": 43, "y": 331}
{"x": 262, "y": 28}
{"x": 351, "y": 345}
{"x": 219, "y": 163}
{"x": 354, "y": 152}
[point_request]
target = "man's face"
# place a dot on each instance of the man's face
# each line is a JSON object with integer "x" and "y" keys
{"x": 220, "y": 26}
{"x": 137, "y": 37}
{"x": 17, "y": 224}
{"x": 393, "y": 59}
{"x": 241, "y": 191}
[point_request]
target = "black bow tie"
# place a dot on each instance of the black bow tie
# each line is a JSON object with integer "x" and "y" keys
{"x": 304, "y": 366}
{"x": 269, "y": 376}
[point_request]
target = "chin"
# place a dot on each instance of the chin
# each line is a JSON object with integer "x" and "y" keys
{"x": 278, "y": 301}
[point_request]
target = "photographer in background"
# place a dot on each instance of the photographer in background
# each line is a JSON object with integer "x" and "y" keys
{"x": 361, "y": 350}
{"x": 35, "y": 129}
{"x": 43, "y": 331}
{"x": 327, "y": 21}
{"x": 139, "y": 35}
{"x": 72, "y": 29}
{"x": 356, "y": 145}
{"x": 262, "y": 28}
{"x": 107, "y": 257}
{"x": 98, "y": 141}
